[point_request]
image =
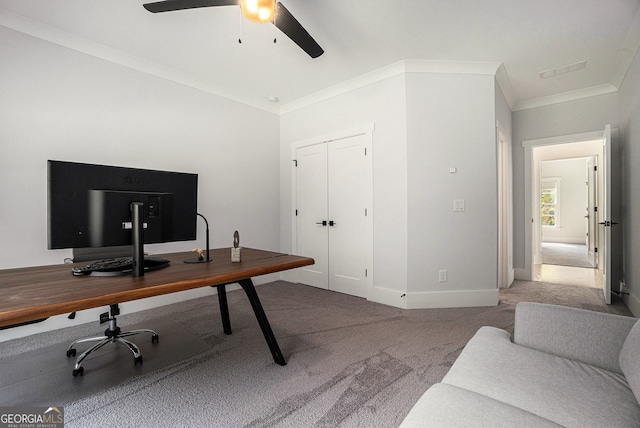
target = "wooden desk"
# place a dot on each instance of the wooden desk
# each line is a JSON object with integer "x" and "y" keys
{"x": 28, "y": 294}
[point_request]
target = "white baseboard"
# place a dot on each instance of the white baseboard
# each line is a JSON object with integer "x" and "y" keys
{"x": 289, "y": 275}
{"x": 388, "y": 296}
{"x": 453, "y": 299}
{"x": 633, "y": 303}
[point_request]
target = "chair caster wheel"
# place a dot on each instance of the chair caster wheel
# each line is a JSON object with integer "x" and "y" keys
{"x": 71, "y": 353}
{"x": 155, "y": 338}
{"x": 78, "y": 371}
{"x": 137, "y": 360}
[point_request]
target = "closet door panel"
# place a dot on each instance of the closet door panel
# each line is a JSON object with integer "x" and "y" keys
{"x": 347, "y": 191}
{"x": 311, "y": 196}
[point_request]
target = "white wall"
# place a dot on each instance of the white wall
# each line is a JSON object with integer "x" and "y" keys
{"x": 568, "y": 118}
{"x": 452, "y": 123}
{"x": 572, "y": 202}
{"x": 424, "y": 123}
{"x": 383, "y": 104}
{"x": 630, "y": 149}
{"x": 57, "y": 103}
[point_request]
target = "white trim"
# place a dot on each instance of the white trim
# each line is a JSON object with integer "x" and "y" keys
{"x": 504, "y": 172}
{"x": 565, "y": 96}
{"x": 527, "y": 272}
{"x": 452, "y": 299}
{"x": 633, "y": 303}
{"x": 507, "y": 88}
{"x": 50, "y": 34}
{"x": 562, "y": 139}
{"x": 344, "y": 87}
{"x": 333, "y": 136}
{"x": 451, "y": 67}
{"x": 395, "y": 69}
{"x": 388, "y": 296}
{"x": 328, "y": 138}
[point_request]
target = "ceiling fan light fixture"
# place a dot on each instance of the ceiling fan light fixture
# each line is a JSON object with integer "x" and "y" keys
{"x": 258, "y": 10}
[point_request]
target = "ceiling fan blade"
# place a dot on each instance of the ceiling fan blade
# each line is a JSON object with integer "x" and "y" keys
{"x": 170, "y": 5}
{"x": 290, "y": 26}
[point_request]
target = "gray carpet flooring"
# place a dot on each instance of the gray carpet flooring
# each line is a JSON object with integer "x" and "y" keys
{"x": 351, "y": 363}
{"x": 565, "y": 255}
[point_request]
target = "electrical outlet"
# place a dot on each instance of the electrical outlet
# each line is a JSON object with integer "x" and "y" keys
{"x": 442, "y": 276}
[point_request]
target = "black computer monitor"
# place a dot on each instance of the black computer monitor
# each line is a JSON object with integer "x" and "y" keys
{"x": 91, "y": 205}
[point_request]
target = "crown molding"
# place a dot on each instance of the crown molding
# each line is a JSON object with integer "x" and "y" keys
{"x": 344, "y": 87}
{"x": 395, "y": 69}
{"x": 54, "y": 35}
{"x": 566, "y": 96}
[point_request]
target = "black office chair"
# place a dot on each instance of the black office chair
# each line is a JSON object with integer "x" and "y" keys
{"x": 112, "y": 334}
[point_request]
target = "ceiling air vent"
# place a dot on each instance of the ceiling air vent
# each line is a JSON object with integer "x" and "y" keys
{"x": 562, "y": 70}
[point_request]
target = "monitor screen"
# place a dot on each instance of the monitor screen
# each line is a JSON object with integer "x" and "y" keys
{"x": 89, "y": 205}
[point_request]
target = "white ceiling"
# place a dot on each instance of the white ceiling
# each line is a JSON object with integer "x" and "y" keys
{"x": 200, "y": 47}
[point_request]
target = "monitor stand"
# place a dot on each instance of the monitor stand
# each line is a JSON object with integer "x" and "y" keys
{"x": 137, "y": 239}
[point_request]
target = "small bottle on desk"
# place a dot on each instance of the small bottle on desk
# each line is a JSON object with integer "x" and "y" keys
{"x": 236, "y": 251}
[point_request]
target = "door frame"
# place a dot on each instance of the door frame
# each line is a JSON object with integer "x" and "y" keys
{"x": 505, "y": 208}
{"x": 366, "y": 130}
{"x": 531, "y": 189}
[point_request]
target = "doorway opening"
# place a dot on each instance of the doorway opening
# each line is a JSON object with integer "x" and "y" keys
{"x": 607, "y": 259}
{"x": 568, "y": 209}
{"x": 565, "y": 221}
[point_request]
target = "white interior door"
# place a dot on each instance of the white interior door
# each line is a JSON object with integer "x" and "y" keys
{"x": 333, "y": 224}
{"x": 311, "y": 212}
{"x": 605, "y": 221}
{"x": 592, "y": 220}
{"x": 349, "y": 185}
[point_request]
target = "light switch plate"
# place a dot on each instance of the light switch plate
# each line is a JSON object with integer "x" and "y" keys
{"x": 458, "y": 205}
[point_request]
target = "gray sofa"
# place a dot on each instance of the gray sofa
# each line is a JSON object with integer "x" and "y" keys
{"x": 565, "y": 367}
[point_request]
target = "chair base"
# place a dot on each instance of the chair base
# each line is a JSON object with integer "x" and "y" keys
{"x": 114, "y": 335}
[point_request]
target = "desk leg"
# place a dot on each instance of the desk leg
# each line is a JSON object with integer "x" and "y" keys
{"x": 224, "y": 308}
{"x": 247, "y": 286}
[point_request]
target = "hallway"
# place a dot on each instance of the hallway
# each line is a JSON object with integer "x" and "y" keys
{"x": 568, "y": 275}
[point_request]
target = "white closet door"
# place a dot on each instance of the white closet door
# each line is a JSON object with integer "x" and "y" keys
{"x": 349, "y": 185}
{"x": 311, "y": 196}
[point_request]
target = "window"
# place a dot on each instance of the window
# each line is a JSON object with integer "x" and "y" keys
{"x": 549, "y": 205}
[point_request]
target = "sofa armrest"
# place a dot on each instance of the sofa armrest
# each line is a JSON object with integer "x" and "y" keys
{"x": 586, "y": 336}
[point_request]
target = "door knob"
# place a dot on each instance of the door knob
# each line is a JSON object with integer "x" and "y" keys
{"x": 323, "y": 222}
{"x": 332, "y": 223}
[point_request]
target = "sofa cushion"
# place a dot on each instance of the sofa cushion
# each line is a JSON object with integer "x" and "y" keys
{"x": 590, "y": 337}
{"x": 449, "y": 406}
{"x": 564, "y": 391}
{"x": 629, "y": 362}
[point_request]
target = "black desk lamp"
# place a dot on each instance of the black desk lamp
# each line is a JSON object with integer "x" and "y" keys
{"x": 199, "y": 259}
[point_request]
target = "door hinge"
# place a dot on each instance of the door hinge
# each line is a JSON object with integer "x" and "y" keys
{"x": 366, "y": 273}
{"x": 365, "y": 212}
{"x": 595, "y": 209}
{"x": 595, "y": 167}
{"x": 595, "y": 250}
{"x": 365, "y": 151}
{"x": 296, "y": 212}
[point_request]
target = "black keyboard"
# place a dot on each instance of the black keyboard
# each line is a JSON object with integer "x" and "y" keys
{"x": 118, "y": 266}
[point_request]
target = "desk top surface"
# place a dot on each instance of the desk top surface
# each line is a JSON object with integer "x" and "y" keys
{"x": 32, "y": 293}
